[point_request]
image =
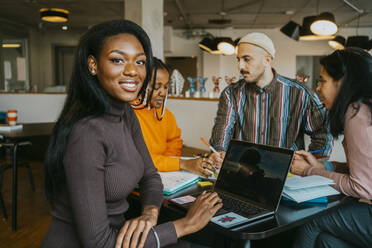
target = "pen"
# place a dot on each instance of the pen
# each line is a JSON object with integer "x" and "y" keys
{"x": 316, "y": 151}
{"x": 210, "y": 147}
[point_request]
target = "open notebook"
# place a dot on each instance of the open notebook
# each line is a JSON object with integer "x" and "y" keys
{"x": 174, "y": 181}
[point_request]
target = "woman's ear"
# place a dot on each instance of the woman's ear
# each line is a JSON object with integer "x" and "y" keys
{"x": 92, "y": 65}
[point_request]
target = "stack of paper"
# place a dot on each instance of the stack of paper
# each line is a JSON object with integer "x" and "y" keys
{"x": 302, "y": 189}
{"x": 174, "y": 181}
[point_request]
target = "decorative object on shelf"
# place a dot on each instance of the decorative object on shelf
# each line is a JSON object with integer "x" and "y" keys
{"x": 177, "y": 82}
{"x": 230, "y": 80}
{"x": 192, "y": 84}
{"x": 216, "y": 82}
{"x": 196, "y": 94}
{"x": 202, "y": 89}
{"x": 302, "y": 77}
{"x": 202, "y": 84}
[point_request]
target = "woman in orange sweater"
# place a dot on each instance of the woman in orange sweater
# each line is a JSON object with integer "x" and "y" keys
{"x": 165, "y": 144}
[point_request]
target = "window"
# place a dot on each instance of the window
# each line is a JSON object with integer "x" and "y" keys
{"x": 14, "y": 66}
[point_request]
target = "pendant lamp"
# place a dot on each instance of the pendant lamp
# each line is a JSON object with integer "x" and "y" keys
{"x": 356, "y": 41}
{"x": 338, "y": 43}
{"x": 225, "y": 45}
{"x": 292, "y": 30}
{"x": 307, "y": 34}
{"x": 54, "y": 15}
{"x": 324, "y": 24}
{"x": 209, "y": 44}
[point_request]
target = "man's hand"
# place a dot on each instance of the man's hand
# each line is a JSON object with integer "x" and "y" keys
{"x": 200, "y": 166}
{"x": 217, "y": 158}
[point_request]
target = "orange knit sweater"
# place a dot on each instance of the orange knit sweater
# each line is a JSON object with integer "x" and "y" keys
{"x": 163, "y": 138}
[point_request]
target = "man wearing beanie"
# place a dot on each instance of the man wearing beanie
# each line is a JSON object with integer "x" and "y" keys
{"x": 265, "y": 107}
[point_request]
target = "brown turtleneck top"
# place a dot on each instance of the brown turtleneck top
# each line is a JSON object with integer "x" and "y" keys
{"x": 105, "y": 158}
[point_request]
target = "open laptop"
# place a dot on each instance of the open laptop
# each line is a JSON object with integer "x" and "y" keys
{"x": 250, "y": 182}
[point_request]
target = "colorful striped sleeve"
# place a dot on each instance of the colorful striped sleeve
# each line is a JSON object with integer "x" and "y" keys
{"x": 224, "y": 122}
{"x": 315, "y": 126}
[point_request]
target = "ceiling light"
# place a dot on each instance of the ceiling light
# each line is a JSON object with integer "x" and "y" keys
{"x": 11, "y": 45}
{"x": 324, "y": 24}
{"x": 225, "y": 45}
{"x": 356, "y": 41}
{"x": 54, "y": 15}
{"x": 210, "y": 45}
{"x": 338, "y": 43}
{"x": 292, "y": 30}
{"x": 306, "y": 34}
{"x": 206, "y": 44}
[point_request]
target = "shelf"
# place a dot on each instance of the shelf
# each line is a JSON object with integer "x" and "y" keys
{"x": 193, "y": 98}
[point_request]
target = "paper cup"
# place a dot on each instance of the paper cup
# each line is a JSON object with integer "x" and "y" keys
{"x": 12, "y": 117}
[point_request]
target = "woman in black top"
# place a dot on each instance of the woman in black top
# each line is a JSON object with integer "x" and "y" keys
{"x": 97, "y": 154}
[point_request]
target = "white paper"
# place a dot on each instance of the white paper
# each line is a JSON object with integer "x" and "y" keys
{"x": 7, "y": 70}
{"x": 21, "y": 69}
{"x": 301, "y": 195}
{"x": 297, "y": 182}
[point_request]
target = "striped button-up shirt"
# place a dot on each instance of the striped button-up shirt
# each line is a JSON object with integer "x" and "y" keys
{"x": 278, "y": 115}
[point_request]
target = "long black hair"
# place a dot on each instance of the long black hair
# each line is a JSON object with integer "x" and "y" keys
{"x": 353, "y": 67}
{"x": 86, "y": 97}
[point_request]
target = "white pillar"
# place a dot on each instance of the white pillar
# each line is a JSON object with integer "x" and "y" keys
{"x": 149, "y": 15}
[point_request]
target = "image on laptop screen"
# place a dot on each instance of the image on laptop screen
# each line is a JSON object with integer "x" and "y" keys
{"x": 255, "y": 172}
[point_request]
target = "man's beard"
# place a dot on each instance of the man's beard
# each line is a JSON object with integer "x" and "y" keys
{"x": 242, "y": 72}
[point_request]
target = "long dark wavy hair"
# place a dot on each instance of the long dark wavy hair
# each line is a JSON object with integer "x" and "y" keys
{"x": 86, "y": 97}
{"x": 353, "y": 67}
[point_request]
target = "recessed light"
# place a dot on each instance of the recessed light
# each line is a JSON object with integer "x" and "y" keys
{"x": 15, "y": 45}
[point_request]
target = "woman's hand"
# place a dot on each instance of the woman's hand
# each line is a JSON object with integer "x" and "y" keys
{"x": 134, "y": 228}
{"x": 199, "y": 214}
{"x": 302, "y": 160}
{"x": 198, "y": 166}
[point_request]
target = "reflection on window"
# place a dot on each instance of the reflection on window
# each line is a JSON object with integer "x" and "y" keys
{"x": 14, "y": 66}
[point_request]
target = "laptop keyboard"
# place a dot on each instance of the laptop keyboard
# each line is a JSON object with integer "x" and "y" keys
{"x": 237, "y": 206}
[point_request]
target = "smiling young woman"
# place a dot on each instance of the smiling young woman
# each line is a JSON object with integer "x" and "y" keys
{"x": 97, "y": 155}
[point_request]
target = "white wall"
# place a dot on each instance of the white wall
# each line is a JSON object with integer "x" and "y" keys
{"x": 34, "y": 107}
{"x": 195, "y": 119}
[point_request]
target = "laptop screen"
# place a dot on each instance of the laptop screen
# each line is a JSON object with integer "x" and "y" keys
{"x": 254, "y": 173}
